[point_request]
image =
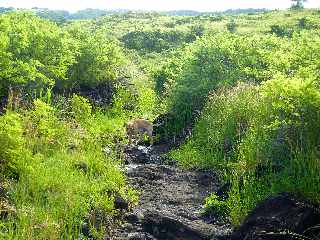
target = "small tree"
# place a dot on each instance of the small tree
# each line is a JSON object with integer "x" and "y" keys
{"x": 298, "y": 4}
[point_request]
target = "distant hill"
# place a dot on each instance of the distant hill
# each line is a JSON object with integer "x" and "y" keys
{"x": 61, "y": 16}
{"x": 241, "y": 11}
{"x": 3, "y": 9}
{"x": 227, "y": 12}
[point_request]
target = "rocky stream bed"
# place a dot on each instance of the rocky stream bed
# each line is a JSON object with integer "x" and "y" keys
{"x": 171, "y": 205}
{"x": 171, "y": 199}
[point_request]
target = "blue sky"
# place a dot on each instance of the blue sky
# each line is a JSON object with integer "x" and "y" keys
{"x": 199, "y": 5}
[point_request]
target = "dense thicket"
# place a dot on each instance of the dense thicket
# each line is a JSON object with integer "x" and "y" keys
{"x": 158, "y": 40}
{"x": 61, "y": 156}
{"x": 37, "y": 55}
{"x": 223, "y": 60}
{"x": 34, "y": 53}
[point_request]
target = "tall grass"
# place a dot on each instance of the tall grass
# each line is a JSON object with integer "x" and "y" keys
{"x": 62, "y": 169}
{"x": 263, "y": 138}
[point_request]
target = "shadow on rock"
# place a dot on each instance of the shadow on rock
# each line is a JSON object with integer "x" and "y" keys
{"x": 284, "y": 217}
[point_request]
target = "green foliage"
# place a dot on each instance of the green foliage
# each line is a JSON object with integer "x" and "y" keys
{"x": 12, "y": 142}
{"x": 32, "y": 58}
{"x": 224, "y": 59}
{"x": 81, "y": 108}
{"x": 58, "y": 16}
{"x": 263, "y": 137}
{"x": 220, "y": 129}
{"x": 209, "y": 63}
{"x": 259, "y": 136}
{"x": 166, "y": 76}
{"x": 217, "y": 206}
{"x": 281, "y": 31}
{"x": 98, "y": 60}
{"x": 88, "y": 13}
{"x": 252, "y": 96}
{"x": 159, "y": 40}
{"x": 61, "y": 169}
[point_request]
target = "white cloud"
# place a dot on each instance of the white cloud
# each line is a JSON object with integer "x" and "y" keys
{"x": 200, "y": 5}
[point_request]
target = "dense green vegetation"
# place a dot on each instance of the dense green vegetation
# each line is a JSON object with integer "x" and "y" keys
{"x": 258, "y": 97}
{"x": 247, "y": 84}
{"x": 61, "y": 155}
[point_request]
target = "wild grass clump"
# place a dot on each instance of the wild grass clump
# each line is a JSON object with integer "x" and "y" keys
{"x": 220, "y": 128}
{"x": 61, "y": 170}
{"x": 216, "y": 205}
{"x": 263, "y": 138}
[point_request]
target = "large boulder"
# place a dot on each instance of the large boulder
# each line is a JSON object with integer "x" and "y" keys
{"x": 283, "y": 217}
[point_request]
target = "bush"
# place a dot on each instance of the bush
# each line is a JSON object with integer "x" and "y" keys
{"x": 35, "y": 59}
{"x": 220, "y": 129}
{"x": 212, "y": 62}
{"x": 81, "y": 108}
{"x": 216, "y": 206}
{"x": 263, "y": 138}
{"x": 99, "y": 60}
{"x": 12, "y": 142}
{"x": 281, "y": 31}
{"x": 160, "y": 39}
{"x": 62, "y": 175}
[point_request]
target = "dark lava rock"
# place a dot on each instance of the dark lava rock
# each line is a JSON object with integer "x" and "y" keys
{"x": 120, "y": 203}
{"x": 281, "y": 218}
{"x": 165, "y": 226}
{"x": 146, "y": 155}
{"x": 137, "y": 154}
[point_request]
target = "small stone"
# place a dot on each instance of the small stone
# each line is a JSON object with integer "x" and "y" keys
{"x": 120, "y": 203}
{"x": 127, "y": 226}
{"x": 137, "y": 236}
{"x": 132, "y": 218}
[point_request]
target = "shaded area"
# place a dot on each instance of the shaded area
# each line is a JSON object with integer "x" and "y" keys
{"x": 284, "y": 217}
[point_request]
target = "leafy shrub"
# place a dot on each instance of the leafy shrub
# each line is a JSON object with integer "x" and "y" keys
{"x": 217, "y": 206}
{"x": 52, "y": 194}
{"x": 81, "y": 108}
{"x": 223, "y": 60}
{"x": 216, "y": 18}
{"x": 281, "y": 31}
{"x": 12, "y": 142}
{"x": 32, "y": 59}
{"x": 308, "y": 23}
{"x": 166, "y": 76}
{"x": 99, "y": 60}
{"x": 220, "y": 129}
{"x": 159, "y": 40}
{"x": 278, "y": 153}
{"x": 212, "y": 62}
